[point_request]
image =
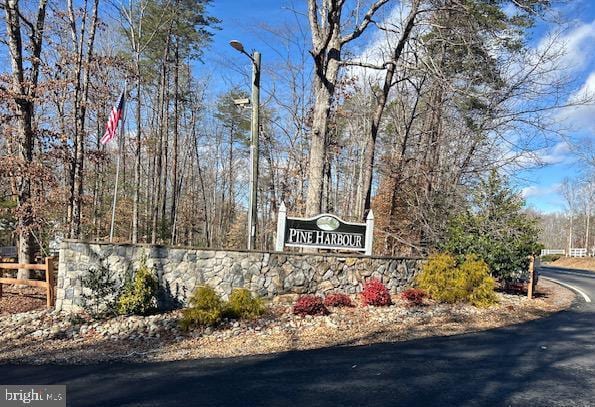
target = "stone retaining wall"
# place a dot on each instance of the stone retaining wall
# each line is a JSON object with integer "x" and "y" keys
{"x": 180, "y": 270}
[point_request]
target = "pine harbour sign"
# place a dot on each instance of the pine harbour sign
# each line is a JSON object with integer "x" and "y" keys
{"x": 324, "y": 231}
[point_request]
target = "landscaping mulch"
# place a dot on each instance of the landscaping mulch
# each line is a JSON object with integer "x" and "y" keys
{"x": 50, "y": 337}
{"x": 15, "y": 300}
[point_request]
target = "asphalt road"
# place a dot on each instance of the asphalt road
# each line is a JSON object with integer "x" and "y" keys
{"x": 548, "y": 362}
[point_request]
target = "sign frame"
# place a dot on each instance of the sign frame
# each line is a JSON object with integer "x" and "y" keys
{"x": 282, "y": 219}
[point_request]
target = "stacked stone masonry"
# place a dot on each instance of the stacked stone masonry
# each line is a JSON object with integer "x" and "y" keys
{"x": 180, "y": 270}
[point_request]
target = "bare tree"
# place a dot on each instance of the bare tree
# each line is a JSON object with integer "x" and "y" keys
{"x": 24, "y": 90}
{"x": 327, "y": 42}
{"x": 381, "y": 98}
{"x": 81, "y": 94}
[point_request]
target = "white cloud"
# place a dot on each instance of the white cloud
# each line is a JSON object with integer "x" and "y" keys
{"x": 581, "y": 116}
{"x": 578, "y": 46}
{"x": 534, "y": 191}
{"x": 557, "y": 154}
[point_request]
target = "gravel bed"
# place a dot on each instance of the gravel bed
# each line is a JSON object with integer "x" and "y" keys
{"x": 43, "y": 336}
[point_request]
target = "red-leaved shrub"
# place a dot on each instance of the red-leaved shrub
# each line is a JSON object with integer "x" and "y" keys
{"x": 375, "y": 293}
{"x": 309, "y": 305}
{"x": 414, "y": 296}
{"x": 337, "y": 300}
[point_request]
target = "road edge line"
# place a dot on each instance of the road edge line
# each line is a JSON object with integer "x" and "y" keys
{"x": 578, "y": 290}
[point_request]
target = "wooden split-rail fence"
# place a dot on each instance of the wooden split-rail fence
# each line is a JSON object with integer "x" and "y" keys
{"x": 48, "y": 268}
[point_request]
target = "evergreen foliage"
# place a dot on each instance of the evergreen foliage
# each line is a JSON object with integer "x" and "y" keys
{"x": 206, "y": 308}
{"x": 139, "y": 296}
{"x": 100, "y": 293}
{"x": 242, "y": 305}
{"x": 446, "y": 281}
{"x": 495, "y": 228}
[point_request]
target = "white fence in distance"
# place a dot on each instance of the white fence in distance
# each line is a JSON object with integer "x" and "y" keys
{"x": 578, "y": 252}
{"x": 574, "y": 252}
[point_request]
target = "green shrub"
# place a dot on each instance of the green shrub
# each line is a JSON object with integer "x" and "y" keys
{"x": 100, "y": 293}
{"x": 242, "y": 305}
{"x": 206, "y": 308}
{"x": 139, "y": 296}
{"x": 495, "y": 227}
{"x": 438, "y": 276}
{"x": 445, "y": 281}
{"x": 550, "y": 257}
{"x": 477, "y": 283}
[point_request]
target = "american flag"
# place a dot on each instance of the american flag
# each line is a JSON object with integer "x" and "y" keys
{"x": 114, "y": 118}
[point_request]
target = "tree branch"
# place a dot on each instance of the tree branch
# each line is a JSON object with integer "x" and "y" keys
{"x": 365, "y": 64}
{"x": 362, "y": 26}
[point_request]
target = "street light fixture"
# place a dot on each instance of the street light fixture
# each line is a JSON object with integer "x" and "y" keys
{"x": 237, "y": 45}
{"x": 252, "y": 199}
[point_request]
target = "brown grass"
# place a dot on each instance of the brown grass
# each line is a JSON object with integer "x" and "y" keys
{"x": 583, "y": 263}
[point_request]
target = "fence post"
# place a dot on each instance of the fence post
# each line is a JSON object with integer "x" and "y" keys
{"x": 531, "y": 277}
{"x": 49, "y": 274}
{"x": 281, "y": 217}
{"x": 369, "y": 233}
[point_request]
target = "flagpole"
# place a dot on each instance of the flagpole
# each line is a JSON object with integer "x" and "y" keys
{"x": 115, "y": 200}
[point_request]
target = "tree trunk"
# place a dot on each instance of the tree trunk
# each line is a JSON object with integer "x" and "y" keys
{"x": 163, "y": 104}
{"x": 79, "y": 138}
{"x": 175, "y": 192}
{"x": 137, "y": 151}
{"x": 24, "y": 90}
{"x": 381, "y": 99}
{"x": 81, "y": 96}
{"x": 324, "y": 90}
{"x": 327, "y": 42}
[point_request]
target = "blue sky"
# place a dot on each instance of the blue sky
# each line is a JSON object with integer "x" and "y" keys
{"x": 243, "y": 20}
{"x": 540, "y": 185}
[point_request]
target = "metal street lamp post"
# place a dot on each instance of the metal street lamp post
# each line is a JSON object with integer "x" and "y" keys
{"x": 255, "y": 127}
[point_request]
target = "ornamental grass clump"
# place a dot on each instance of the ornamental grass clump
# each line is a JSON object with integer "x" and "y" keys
{"x": 446, "y": 281}
{"x": 337, "y": 300}
{"x": 375, "y": 293}
{"x": 309, "y": 305}
{"x": 206, "y": 309}
{"x": 243, "y": 305}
